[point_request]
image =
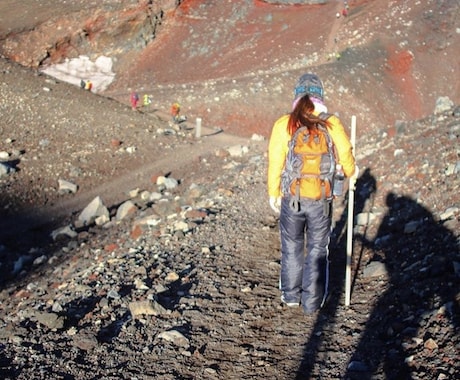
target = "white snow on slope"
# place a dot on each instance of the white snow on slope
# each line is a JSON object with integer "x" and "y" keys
{"x": 82, "y": 68}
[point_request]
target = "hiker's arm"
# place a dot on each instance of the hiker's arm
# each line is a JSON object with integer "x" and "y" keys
{"x": 276, "y": 156}
{"x": 343, "y": 146}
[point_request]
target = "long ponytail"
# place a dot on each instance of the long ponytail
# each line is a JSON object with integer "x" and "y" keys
{"x": 302, "y": 115}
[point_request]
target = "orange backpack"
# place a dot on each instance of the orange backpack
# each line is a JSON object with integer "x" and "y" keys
{"x": 310, "y": 164}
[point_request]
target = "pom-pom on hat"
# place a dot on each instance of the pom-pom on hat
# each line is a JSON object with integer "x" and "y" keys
{"x": 309, "y": 84}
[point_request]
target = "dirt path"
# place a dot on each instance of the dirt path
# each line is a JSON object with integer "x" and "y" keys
{"x": 183, "y": 157}
{"x": 331, "y": 45}
{"x": 178, "y": 162}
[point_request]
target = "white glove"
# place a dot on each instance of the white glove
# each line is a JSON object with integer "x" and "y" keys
{"x": 275, "y": 204}
{"x": 356, "y": 173}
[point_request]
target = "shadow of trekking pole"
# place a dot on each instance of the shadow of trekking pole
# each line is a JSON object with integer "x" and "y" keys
{"x": 327, "y": 317}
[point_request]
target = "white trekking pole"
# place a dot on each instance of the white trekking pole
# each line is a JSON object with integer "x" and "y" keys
{"x": 351, "y": 201}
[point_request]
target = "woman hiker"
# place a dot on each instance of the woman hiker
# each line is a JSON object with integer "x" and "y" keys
{"x": 305, "y": 215}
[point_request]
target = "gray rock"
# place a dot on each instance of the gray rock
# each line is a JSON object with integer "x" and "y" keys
{"x": 113, "y": 294}
{"x": 66, "y": 231}
{"x": 50, "y": 320}
{"x": 449, "y": 213}
{"x": 411, "y": 227}
{"x": 5, "y": 169}
{"x": 146, "y": 307}
{"x": 443, "y": 104}
{"x": 67, "y": 187}
{"x": 364, "y": 218}
{"x": 155, "y": 196}
{"x": 238, "y": 150}
{"x": 175, "y": 337}
{"x": 85, "y": 341}
{"x": 125, "y": 209}
{"x": 257, "y": 137}
{"x": 452, "y": 169}
{"x": 44, "y": 143}
{"x": 148, "y": 220}
{"x": 57, "y": 307}
{"x": 357, "y": 366}
{"x": 181, "y": 225}
{"x": 40, "y": 260}
{"x": 94, "y": 210}
{"x": 168, "y": 182}
{"x": 375, "y": 269}
{"x": 101, "y": 220}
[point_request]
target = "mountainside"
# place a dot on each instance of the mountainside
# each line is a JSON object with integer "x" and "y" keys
{"x": 134, "y": 248}
{"x": 234, "y": 64}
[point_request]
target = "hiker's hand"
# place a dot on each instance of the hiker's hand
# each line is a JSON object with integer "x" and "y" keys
{"x": 356, "y": 173}
{"x": 354, "y": 178}
{"x": 275, "y": 204}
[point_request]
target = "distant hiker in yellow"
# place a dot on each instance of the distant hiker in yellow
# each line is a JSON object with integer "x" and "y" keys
{"x": 146, "y": 100}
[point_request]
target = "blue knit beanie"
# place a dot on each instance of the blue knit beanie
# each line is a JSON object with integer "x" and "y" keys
{"x": 309, "y": 84}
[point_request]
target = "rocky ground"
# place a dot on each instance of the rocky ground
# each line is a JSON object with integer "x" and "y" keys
{"x": 173, "y": 274}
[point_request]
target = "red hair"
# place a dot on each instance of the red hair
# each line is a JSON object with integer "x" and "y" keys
{"x": 302, "y": 115}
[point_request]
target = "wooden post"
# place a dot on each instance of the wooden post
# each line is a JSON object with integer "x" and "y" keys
{"x": 351, "y": 201}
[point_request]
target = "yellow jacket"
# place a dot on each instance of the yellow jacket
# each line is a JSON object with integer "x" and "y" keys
{"x": 278, "y": 149}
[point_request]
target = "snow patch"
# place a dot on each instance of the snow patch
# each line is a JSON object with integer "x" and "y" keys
{"x": 82, "y": 68}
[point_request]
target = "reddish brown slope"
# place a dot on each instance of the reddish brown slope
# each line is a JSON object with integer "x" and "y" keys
{"x": 235, "y": 65}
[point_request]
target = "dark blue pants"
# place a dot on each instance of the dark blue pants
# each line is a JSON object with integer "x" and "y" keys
{"x": 304, "y": 253}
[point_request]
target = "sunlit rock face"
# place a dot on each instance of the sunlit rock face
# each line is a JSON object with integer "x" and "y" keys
{"x": 105, "y": 28}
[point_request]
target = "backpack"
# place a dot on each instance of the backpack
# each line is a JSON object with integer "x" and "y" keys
{"x": 310, "y": 165}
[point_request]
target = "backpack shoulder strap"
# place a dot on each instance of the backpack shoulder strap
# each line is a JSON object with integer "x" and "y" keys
{"x": 324, "y": 116}
{"x": 293, "y": 139}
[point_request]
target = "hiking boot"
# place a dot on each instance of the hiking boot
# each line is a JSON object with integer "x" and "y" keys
{"x": 289, "y": 303}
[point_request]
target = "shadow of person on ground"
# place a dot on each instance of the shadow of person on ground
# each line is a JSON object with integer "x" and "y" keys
{"x": 419, "y": 255}
{"x": 327, "y": 316}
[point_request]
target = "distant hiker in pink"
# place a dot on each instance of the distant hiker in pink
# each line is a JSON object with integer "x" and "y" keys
{"x": 134, "y": 100}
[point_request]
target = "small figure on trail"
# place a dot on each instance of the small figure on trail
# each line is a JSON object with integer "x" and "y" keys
{"x": 134, "y": 100}
{"x": 344, "y": 12}
{"x": 88, "y": 85}
{"x": 175, "y": 113}
{"x": 175, "y": 110}
{"x": 147, "y": 100}
{"x": 305, "y": 149}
